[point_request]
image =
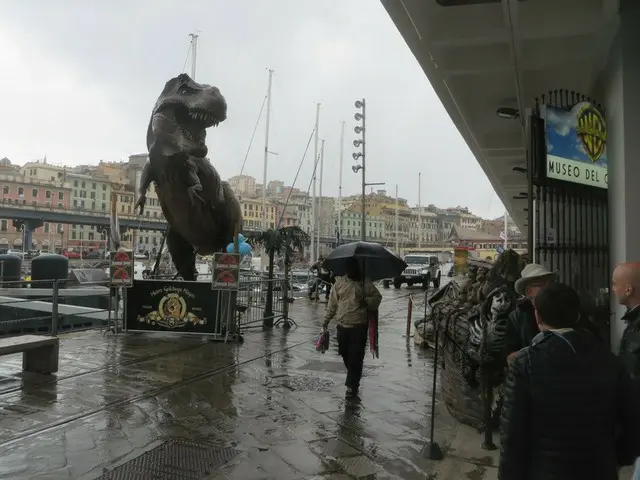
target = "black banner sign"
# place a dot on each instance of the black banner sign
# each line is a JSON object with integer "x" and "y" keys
{"x": 171, "y": 306}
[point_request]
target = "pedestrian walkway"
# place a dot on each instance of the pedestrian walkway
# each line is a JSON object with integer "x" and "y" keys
{"x": 271, "y": 408}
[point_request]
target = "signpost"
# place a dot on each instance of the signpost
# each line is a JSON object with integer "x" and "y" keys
{"x": 226, "y": 271}
{"x": 121, "y": 273}
{"x": 121, "y": 269}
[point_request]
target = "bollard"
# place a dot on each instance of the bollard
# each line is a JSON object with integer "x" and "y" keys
{"x": 409, "y": 312}
{"x": 54, "y": 309}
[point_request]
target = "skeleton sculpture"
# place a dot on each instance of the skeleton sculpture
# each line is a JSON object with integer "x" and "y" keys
{"x": 201, "y": 209}
{"x": 473, "y": 327}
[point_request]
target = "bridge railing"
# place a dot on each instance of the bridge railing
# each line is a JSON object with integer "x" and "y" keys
{"x": 38, "y": 207}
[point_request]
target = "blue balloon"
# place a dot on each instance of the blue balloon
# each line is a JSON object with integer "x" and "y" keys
{"x": 244, "y": 248}
{"x": 241, "y": 238}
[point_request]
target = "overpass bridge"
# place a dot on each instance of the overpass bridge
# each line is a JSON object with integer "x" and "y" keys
{"x": 34, "y": 216}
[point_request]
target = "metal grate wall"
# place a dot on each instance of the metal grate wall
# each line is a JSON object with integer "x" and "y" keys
{"x": 568, "y": 223}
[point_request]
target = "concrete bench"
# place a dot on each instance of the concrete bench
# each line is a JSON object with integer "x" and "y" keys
{"x": 40, "y": 353}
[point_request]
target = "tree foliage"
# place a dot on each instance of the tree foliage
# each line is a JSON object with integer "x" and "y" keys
{"x": 282, "y": 241}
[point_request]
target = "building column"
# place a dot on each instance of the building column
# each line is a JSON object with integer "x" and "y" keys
{"x": 621, "y": 86}
{"x": 29, "y": 227}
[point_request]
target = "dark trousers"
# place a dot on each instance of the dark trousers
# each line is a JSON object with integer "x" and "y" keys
{"x": 352, "y": 344}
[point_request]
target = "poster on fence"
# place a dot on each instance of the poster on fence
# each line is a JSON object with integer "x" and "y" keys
{"x": 226, "y": 271}
{"x": 121, "y": 268}
{"x": 171, "y": 306}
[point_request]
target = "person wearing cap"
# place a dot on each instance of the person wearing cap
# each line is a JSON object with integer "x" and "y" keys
{"x": 521, "y": 324}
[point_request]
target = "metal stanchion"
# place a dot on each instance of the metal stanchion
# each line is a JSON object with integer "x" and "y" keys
{"x": 431, "y": 449}
{"x": 54, "y": 309}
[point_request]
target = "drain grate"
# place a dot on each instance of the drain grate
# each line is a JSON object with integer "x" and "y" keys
{"x": 173, "y": 460}
{"x": 307, "y": 384}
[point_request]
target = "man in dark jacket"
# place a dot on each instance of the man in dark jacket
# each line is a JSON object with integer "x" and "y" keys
{"x": 625, "y": 286}
{"x": 521, "y": 324}
{"x": 322, "y": 275}
{"x": 567, "y": 400}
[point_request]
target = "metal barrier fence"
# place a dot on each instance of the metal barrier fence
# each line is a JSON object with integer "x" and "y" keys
{"x": 251, "y": 303}
{"x": 48, "y": 307}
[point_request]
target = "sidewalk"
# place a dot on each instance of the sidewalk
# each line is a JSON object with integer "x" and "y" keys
{"x": 271, "y": 408}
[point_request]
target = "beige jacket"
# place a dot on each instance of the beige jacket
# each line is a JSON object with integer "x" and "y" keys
{"x": 346, "y": 301}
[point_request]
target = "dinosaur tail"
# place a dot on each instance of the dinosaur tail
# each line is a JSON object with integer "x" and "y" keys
{"x": 114, "y": 225}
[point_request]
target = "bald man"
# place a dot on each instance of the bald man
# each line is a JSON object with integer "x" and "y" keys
{"x": 625, "y": 286}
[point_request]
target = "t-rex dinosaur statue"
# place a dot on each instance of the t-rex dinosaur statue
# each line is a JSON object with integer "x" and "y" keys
{"x": 201, "y": 209}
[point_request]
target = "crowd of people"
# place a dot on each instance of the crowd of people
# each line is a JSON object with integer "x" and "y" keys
{"x": 570, "y": 405}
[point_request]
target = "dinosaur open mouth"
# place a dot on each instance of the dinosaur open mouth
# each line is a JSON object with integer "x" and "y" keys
{"x": 203, "y": 118}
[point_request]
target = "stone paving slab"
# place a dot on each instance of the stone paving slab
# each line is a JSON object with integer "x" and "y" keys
{"x": 273, "y": 401}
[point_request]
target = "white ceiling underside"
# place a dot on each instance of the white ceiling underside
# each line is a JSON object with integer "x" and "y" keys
{"x": 481, "y": 57}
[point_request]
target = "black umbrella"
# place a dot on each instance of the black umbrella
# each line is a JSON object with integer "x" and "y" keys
{"x": 376, "y": 261}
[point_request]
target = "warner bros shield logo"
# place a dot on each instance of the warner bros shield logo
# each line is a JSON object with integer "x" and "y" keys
{"x": 591, "y": 127}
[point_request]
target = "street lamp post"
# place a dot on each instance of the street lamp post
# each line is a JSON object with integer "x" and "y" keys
{"x": 361, "y": 156}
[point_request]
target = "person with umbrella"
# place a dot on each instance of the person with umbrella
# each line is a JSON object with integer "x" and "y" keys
{"x": 354, "y": 301}
{"x": 352, "y": 298}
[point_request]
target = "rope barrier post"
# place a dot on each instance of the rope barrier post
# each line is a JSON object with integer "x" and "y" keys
{"x": 431, "y": 449}
{"x": 409, "y": 312}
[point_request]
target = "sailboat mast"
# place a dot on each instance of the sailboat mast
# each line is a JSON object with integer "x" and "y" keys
{"x": 340, "y": 184}
{"x": 263, "y": 222}
{"x": 419, "y": 210}
{"x": 320, "y": 212}
{"x": 396, "y": 224}
{"x": 194, "y": 53}
{"x": 313, "y": 195}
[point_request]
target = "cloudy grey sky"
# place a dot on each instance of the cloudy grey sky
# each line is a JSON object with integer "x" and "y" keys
{"x": 80, "y": 77}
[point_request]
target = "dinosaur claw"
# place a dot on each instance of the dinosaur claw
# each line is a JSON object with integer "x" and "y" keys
{"x": 140, "y": 204}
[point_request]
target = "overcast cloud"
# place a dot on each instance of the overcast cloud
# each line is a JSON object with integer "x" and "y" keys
{"x": 79, "y": 79}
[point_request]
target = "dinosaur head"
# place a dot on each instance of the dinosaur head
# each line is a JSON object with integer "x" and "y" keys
{"x": 184, "y": 110}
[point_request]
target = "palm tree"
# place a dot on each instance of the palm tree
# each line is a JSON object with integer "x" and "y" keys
{"x": 283, "y": 241}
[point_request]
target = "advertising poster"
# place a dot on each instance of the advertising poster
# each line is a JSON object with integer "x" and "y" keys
{"x": 170, "y": 306}
{"x": 577, "y": 145}
{"x": 226, "y": 271}
{"x": 121, "y": 268}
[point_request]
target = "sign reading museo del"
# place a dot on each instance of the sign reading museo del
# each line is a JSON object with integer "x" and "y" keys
{"x": 577, "y": 145}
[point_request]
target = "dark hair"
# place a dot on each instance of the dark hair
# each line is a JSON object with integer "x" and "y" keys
{"x": 558, "y": 305}
{"x": 352, "y": 269}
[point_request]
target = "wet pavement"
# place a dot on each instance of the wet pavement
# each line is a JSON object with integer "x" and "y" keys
{"x": 270, "y": 408}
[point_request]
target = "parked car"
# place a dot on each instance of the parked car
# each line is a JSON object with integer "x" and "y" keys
{"x": 15, "y": 251}
{"x": 421, "y": 269}
{"x": 71, "y": 255}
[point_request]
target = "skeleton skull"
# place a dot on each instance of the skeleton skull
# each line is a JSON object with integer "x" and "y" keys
{"x": 500, "y": 303}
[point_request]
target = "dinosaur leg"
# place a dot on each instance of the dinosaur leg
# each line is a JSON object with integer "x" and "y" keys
{"x": 182, "y": 254}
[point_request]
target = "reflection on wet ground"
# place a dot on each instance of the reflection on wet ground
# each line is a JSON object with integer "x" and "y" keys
{"x": 270, "y": 408}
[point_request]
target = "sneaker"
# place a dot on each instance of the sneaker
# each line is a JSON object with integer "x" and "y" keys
{"x": 351, "y": 392}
